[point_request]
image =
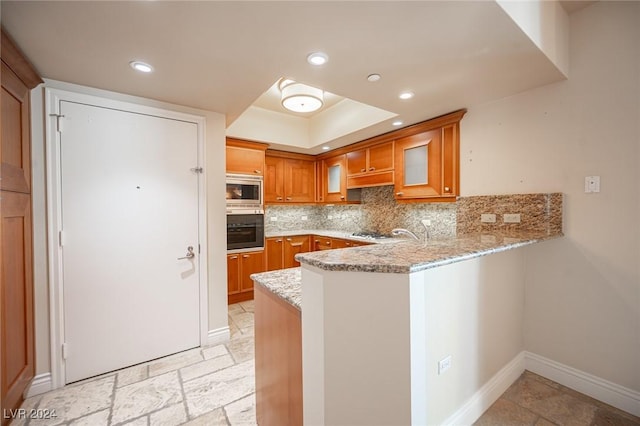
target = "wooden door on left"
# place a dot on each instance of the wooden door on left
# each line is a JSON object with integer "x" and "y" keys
{"x": 17, "y": 352}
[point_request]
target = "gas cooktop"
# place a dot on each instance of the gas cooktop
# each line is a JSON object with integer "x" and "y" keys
{"x": 370, "y": 235}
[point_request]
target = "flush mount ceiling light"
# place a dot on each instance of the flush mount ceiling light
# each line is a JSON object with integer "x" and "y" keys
{"x": 397, "y": 123}
{"x": 141, "y": 66}
{"x": 406, "y": 95}
{"x": 326, "y": 148}
{"x": 298, "y": 97}
{"x": 317, "y": 58}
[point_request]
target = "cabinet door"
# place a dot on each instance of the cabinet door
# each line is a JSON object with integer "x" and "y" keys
{"x": 250, "y": 263}
{"x": 293, "y": 246}
{"x": 274, "y": 180}
{"x": 233, "y": 273}
{"x": 322, "y": 243}
{"x": 337, "y": 243}
{"x": 335, "y": 179}
{"x": 299, "y": 181}
{"x": 380, "y": 157}
{"x": 418, "y": 165}
{"x": 245, "y": 161}
{"x": 274, "y": 248}
{"x": 356, "y": 162}
{"x": 450, "y": 161}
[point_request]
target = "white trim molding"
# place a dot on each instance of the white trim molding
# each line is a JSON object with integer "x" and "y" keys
{"x": 40, "y": 384}
{"x": 475, "y": 406}
{"x": 603, "y": 390}
{"x": 217, "y": 336}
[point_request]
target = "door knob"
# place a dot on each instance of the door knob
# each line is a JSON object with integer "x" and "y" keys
{"x": 190, "y": 254}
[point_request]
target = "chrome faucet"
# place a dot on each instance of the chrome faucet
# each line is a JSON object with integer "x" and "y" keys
{"x": 402, "y": 231}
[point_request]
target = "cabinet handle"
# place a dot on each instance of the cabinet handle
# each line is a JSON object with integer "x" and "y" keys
{"x": 279, "y": 198}
{"x": 347, "y": 244}
{"x": 447, "y": 189}
{"x": 363, "y": 170}
{"x": 372, "y": 169}
{"x": 233, "y": 257}
{"x": 278, "y": 241}
{"x": 328, "y": 243}
{"x": 342, "y": 197}
{"x": 288, "y": 198}
{"x": 296, "y": 244}
{"x": 399, "y": 194}
{"x": 257, "y": 171}
{"x": 288, "y": 239}
{"x": 244, "y": 256}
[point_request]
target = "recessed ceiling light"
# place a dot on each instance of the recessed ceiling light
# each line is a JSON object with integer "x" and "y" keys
{"x": 373, "y": 77}
{"x": 326, "y": 148}
{"x": 141, "y": 66}
{"x": 406, "y": 95}
{"x": 397, "y": 123}
{"x": 317, "y": 58}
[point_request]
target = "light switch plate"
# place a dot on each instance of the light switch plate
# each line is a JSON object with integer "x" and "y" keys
{"x": 511, "y": 218}
{"x": 591, "y": 184}
{"x": 273, "y": 219}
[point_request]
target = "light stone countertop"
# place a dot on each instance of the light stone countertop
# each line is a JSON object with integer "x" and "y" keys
{"x": 402, "y": 258}
{"x": 331, "y": 234}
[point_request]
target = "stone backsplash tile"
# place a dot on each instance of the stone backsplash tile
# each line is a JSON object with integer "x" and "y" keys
{"x": 538, "y": 212}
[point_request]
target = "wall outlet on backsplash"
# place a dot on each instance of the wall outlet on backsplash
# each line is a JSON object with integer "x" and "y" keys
{"x": 329, "y": 217}
{"x": 426, "y": 222}
{"x": 511, "y": 218}
{"x": 304, "y": 218}
{"x": 273, "y": 219}
{"x": 488, "y": 218}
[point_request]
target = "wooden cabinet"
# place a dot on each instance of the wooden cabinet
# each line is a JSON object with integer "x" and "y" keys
{"x": 334, "y": 178}
{"x": 244, "y": 157}
{"x": 321, "y": 243}
{"x": 240, "y": 266}
{"x": 17, "y": 347}
{"x": 289, "y": 180}
{"x": 327, "y": 243}
{"x": 427, "y": 163}
{"x": 281, "y": 251}
{"x": 278, "y": 360}
{"x": 372, "y": 166}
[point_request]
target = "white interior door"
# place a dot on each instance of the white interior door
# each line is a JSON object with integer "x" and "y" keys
{"x": 129, "y": 211}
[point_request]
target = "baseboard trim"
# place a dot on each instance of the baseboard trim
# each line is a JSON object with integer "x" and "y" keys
{"x": 603, "y": 390}
{"x": 40, "y": 384}
{"x": 217, "y": 336}
{"x": 489, "y": 393}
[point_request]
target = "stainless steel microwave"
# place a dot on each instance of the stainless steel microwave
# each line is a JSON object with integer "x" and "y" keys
{"x": 244, "y": 191}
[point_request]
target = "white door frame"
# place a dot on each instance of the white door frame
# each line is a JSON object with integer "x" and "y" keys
{"x": 54, "y": 210}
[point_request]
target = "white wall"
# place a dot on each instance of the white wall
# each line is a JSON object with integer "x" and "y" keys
{"x": 582, "y": 291}
{"x": 216, "y": 215}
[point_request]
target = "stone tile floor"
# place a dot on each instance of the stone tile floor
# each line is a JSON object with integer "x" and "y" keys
{"x": 216, "y": 386}
{"x": 203, "y": 386}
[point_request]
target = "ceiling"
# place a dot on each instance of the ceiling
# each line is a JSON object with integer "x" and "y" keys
{"x": 224, "y": 56}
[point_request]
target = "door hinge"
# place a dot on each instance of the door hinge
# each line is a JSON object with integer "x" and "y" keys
{"x": 65, "y": 350}
{"x": 196, "y": 169}
{"x": 59, "y": 118}
{"x": 61, "y": 238}
{"x": 198, "y": 248}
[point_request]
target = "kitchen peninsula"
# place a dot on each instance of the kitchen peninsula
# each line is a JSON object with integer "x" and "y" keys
{"x": 405, "y": 333}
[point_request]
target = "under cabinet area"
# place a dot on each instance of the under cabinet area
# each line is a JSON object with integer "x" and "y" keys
{"x": 240, "y": 266}
{"x": 289, "y": 178}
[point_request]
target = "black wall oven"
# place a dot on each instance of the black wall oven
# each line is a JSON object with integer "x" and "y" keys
{"x": 245, "y": 230}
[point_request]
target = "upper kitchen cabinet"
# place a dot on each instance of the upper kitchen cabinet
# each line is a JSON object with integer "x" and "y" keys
{"x": 427, "y": 160}
{"x": 372, "y": 166}
{"x": 289, "y": 178}
{"x": 334, "y": 176}
{"x": 244, "y": 157}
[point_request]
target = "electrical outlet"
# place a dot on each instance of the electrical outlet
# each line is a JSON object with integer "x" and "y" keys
{"x": 303, "y": 218}
{"x": 273, "y": 219}
{"x": 511, "y": 218}
{"x": 329, "y": 217}
{"x": 592, "y": 184}
{"x": 444, "y": 364}
{"x": 426, "y": 222}
{"x": 488, "y": 218}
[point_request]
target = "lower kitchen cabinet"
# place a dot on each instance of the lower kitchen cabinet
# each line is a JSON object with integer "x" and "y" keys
{"x": 240, "y": 266}
{"x": 327, "y": 243}
{"x": 281, "y": 251}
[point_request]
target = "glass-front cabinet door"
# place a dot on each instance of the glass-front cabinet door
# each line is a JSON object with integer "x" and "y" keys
{"x": 418, "y": 165}
{"x": 335, "y": 179}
